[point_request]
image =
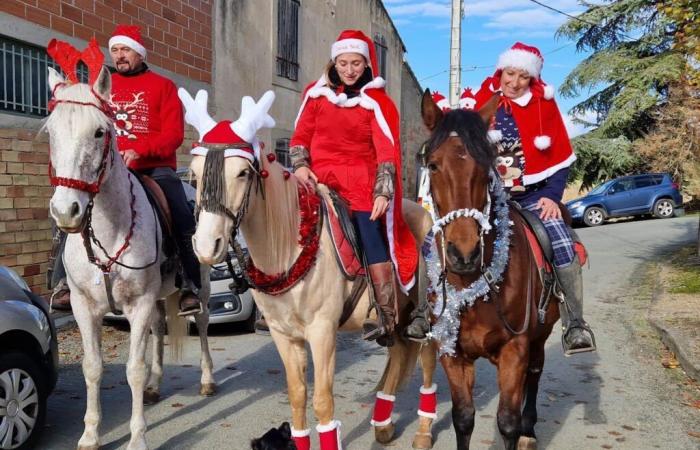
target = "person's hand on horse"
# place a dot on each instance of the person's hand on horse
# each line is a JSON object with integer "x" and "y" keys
{"x": 306, "y": 176}
{"x": 129, "y": 155}
{"x": 381, "y": 204}
{"x": 549, "y": 209}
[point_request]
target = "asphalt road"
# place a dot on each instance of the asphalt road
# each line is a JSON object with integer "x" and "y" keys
{"x": 618, "y": 398}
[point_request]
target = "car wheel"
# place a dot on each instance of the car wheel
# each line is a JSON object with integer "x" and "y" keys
{"x": 23, "y": 392}
{"x": 593, "y": 216}
{"x": 663, "y": 208}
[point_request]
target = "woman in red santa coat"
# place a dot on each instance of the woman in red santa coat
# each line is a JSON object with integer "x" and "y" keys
{"x": 347, "y": 137}
{"x": 528, "y": 124}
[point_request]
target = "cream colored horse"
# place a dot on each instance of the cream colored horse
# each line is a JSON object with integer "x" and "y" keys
{"x": 309, "y": 311}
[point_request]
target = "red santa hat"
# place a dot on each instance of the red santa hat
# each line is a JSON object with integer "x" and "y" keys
{"x": 528, "y": 58}
{"x": 441, "y": 101}
{"x": 355, "y": 41}
{"x": 222, "y": 135}
{"x": 129, "y": 35}
{"x": 467, "y": 100}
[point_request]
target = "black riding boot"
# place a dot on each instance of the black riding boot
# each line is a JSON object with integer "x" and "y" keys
{"x": 382, "y": 329}
{"x": 577, "y": 336}
{"x": 419, "y": 327}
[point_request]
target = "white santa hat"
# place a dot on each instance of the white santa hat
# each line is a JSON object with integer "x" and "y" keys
{"x": 129, "y": 35}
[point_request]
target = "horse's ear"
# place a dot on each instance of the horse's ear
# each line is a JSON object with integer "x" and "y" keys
{"x": 431, "y": 113}
{"x": 103, "y": 84}
{"x": 489, "y": 109}
{"x": 55, "y": 78}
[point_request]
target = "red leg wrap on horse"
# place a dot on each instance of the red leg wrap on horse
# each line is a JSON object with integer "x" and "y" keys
{"x": 329, "y": 435}
{"x": 427, "y": 406}
{"x": 382, "y": 409}
{"x": 302, "y": 439}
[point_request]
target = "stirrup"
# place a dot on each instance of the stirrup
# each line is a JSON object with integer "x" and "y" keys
{"x": 583, "y": 326}
{"x": 372, "y": 330}
{"x": 191, "y": 312}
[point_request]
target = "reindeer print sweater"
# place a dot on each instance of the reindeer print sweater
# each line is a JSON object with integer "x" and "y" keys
{"x": 148, "y": 118}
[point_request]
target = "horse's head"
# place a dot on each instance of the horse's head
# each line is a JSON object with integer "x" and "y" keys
{"x": 80, "y": 142}
{"x": 459, "y": 158}
{"x": 227, "y": 163}
{"x": 217, "y": 208}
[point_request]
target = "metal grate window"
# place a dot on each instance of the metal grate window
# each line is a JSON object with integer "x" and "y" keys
{"x": 282, "y": 151}
{"x": 24, "y": 85}
{"x": 381, "y": 49}
{"x": 288, "y": 39}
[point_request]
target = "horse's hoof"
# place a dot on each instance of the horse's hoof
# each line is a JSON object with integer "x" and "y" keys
{"x": 207, "y": 389}
{"x": 527, "y": 443}
{"x": 384, "y": 434}
{"x": 151, "y": 396}
{"x": 423, "y": 441}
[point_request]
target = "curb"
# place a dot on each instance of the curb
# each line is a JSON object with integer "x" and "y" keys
{"x": 672, "y": 342}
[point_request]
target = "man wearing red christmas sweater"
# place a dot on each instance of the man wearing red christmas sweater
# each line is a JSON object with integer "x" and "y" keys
{"x": 150, "y": 127}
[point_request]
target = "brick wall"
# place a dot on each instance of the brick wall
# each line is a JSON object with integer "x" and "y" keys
{"x": 25, "y": 191}
{"x": 177, "y": 33}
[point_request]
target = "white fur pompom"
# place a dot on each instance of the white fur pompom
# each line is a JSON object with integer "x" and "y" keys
{"x": 495, "y": 136}
{"x": 548, "y": 92}
{"x": 543, "y": 142}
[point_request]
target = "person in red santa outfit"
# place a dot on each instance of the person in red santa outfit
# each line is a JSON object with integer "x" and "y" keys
{"x": 347, "y": 137}
{"x": 150, "y": 128}
{"x": 528, "y": 121}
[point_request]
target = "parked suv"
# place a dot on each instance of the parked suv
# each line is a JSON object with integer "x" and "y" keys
{"x": 635, "y": 195}
{"x": 28, "y": 361}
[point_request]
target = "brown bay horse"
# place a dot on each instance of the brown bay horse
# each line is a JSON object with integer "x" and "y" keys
{"x": 502, "y": 326}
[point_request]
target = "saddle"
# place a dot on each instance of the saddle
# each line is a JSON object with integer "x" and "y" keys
{"x": 348, "y": 251}
{"x": 159, "y": 203}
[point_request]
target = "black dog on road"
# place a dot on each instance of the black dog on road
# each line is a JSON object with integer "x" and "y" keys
{"x": 275, "y": 439}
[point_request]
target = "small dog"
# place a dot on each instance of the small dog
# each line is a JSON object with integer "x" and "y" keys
{"x": 275, "y": 439}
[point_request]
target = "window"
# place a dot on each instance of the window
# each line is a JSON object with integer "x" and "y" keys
{"x": 381, "y": 48}
{"x": 622, "y": 186}
{"x": 644, "y": 181}
{"x": 288, "y": 39}
{"x": 24, "y": 87}
{"x": 282, "y": 151}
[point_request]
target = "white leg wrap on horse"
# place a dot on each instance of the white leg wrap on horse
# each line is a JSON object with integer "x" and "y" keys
{"x": 383, "y": 406}
{"x": 329, "y": 435}
{"x": 427, "y": 407}
{"x": 302, "y": 438}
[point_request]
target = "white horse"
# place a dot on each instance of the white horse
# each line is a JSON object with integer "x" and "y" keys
{"x": 264, "y": 198}
{"x": 96, "y": 193}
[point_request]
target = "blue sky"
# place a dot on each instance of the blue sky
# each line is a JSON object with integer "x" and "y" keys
{"x": 488, "y": 28}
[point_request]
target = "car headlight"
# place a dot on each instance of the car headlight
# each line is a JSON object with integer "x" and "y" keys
{"x": 575, "y": 204}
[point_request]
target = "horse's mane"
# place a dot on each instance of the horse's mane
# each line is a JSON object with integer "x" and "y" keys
{"x": 471, "y": 130}
{"x": 77, "y": 116}
{"x": 281, "y": 216}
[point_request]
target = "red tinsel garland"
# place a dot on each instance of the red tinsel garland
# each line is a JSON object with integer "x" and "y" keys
{"x": 309, "y": 238}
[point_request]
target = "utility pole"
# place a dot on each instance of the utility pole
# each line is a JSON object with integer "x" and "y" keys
{"x": 456, "y": 52}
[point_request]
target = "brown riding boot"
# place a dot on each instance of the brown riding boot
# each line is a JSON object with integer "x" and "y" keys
{"x": 189, "y": 304}
{"x": 383, "y": 283}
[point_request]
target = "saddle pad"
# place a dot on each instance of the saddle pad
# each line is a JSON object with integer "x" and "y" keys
{"x": 536, "y": 249}
{"x": 346, "y": 256}
{"x": 158, "y": 200}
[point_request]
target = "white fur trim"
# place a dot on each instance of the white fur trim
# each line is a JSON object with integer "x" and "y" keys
{"x": 443, "y": 104}
{"x": 383, "y": 396}
{"x": 543, "y": 142}
{"x": 537, "y": 177}
{"x": 524, "y": 99}
{"x": 548, "y": 92}
{"x": 495, "y": 136}
{"x": 467, "y": 103}
{"x": 228, "y": 153}
{"x": 126, "y": 40}
{"x": 431, "y": 390}
{"x": 349, "y": 46}
{"x": 521, "y": 59}
{"x": 330, "y": 426}
{"x": 427, "y": 414}
{"x": 301, "y": 433}
{"x": 383, "y": 423}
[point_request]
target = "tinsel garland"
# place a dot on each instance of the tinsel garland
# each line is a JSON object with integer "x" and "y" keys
{"x": 446, "y": 329}
{"x": 309, "y": 238}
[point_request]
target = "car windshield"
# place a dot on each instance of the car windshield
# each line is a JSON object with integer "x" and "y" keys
{"x": 600, "y": 188}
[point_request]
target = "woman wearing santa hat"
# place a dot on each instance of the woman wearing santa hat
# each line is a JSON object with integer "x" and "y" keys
{"x": 347, "y": 137}
{"x": 528, "y": 123}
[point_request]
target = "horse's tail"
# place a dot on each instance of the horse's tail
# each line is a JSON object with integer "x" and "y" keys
{"x": 400, "y": 364}
{"x": 177, "y": 326}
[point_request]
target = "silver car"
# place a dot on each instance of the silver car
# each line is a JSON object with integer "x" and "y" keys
{"x": 28, "y": 361}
